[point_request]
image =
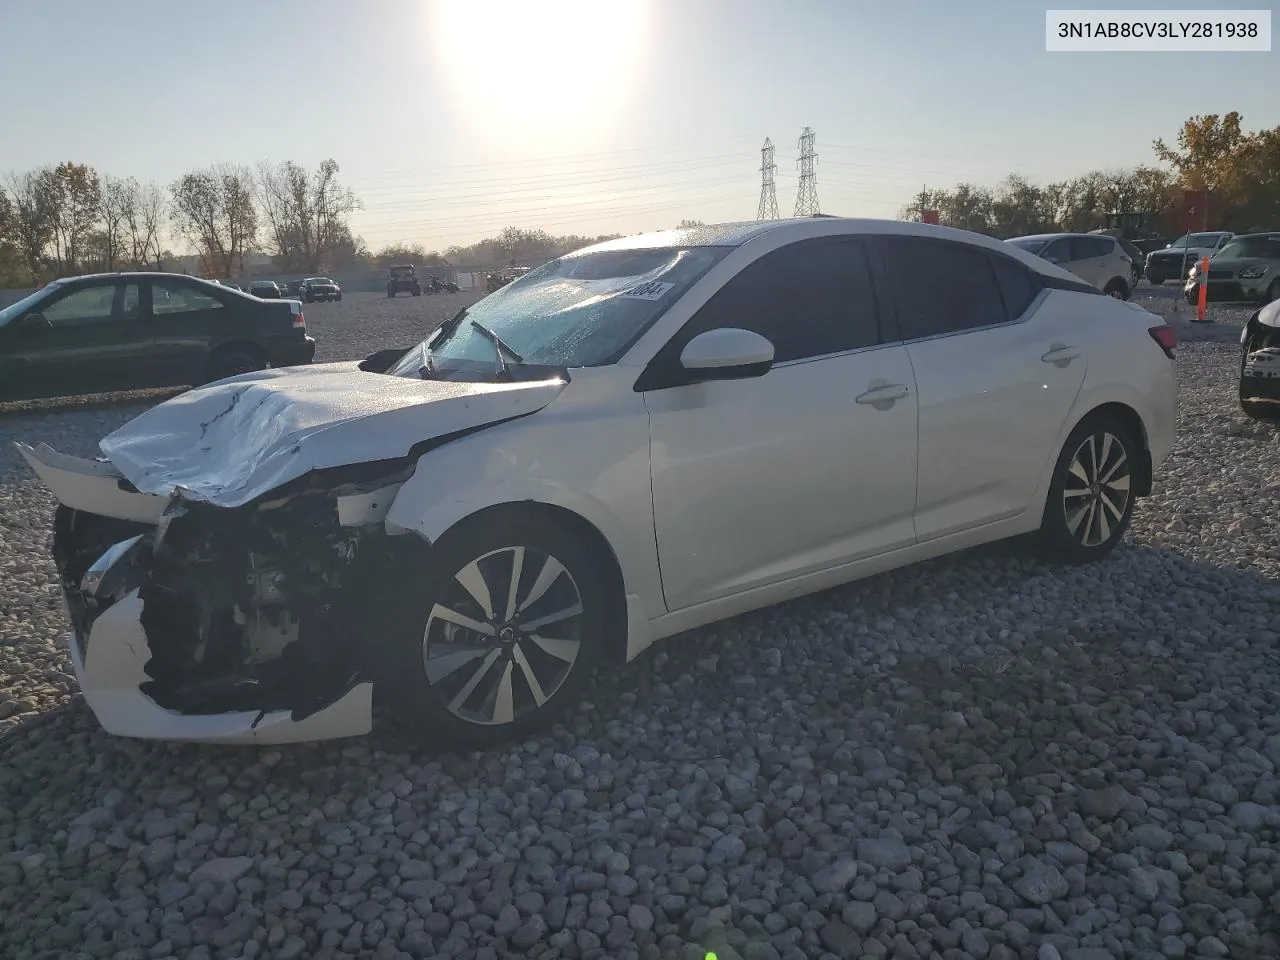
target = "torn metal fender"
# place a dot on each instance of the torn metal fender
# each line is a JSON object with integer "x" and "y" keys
{"x": 90, "y": 485}
{"x": 110, "y": 671}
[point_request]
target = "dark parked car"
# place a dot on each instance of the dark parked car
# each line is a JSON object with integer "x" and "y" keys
{"x": 403, "y": 278}
{"x": 130, "y": 331}
{"x": 265, "y": 289}
{"x": 318, "y": 288}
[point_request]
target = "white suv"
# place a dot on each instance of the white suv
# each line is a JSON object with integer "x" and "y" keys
{"x": 1096, "y": 258}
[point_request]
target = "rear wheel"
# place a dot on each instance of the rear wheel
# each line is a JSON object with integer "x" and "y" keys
{"x": 492, "y": 634}
{"x": 1091, "y": 495}
{"x": 1273, "y": 291}
{"x": 1117, "y": 289}
{"x": 235, "y": 360}
{"x": 1155, "y": 278}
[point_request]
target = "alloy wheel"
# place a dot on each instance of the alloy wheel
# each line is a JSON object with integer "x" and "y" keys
{"x": 505, "y": 636}
{"x": 1096, "y": 494}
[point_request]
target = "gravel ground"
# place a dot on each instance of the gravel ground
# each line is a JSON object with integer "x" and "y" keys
{"x": 981, "y": 757}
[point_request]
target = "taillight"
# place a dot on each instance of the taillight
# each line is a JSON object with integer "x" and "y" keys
{"x": 1167, "y": 337}
{"x": 299, "y": 321}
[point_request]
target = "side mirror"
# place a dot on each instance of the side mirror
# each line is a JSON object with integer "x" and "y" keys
{"x": 727, "y": 353}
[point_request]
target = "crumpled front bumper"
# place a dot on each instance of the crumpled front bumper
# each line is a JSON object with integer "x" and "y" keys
{"x": 109, "y": 668}
{"x": 109, "y": 648}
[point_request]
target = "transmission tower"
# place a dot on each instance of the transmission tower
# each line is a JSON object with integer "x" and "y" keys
{"x": 768, "y": 195}
{"x": 807, "y": 195}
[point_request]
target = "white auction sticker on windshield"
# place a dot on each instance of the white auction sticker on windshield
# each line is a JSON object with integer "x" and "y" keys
{"x": 653, "y": 290}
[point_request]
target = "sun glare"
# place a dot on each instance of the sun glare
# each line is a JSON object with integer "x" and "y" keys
{"x": 541, "y": 73}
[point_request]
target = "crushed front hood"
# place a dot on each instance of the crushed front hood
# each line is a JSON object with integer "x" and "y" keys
{"x": 233, "y": 441}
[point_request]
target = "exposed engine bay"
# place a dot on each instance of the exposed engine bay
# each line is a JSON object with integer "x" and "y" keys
{"x": 254, "y": 608}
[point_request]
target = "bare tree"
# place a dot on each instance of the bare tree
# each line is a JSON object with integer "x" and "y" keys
{"x": 306, "y": 213}
{"x": 112, "y": 209}
{"x": 213, "y": 208}
{"x": 143, "y": 220}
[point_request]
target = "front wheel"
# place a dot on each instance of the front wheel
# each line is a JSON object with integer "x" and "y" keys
{"x": 493, "y": 632}
{"x": 1154, "y": 278}
{"x": 1091, "y": 496}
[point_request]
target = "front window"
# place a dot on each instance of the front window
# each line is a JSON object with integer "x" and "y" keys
{"x": 1031, "y": 244}
{"x": 583, "y": 310}
{"x": 29, "y": 302}
{"x": 1249, "y": 248}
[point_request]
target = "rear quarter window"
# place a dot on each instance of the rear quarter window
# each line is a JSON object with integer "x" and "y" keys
{"x": 1018, "y": 285}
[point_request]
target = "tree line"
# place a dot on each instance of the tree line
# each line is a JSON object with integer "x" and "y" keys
{"x": 68, "y": 218}
{"x": 1240, "y": 171}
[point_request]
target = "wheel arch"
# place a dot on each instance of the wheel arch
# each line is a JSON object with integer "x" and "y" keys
{"x": 1132, "y": 421}
{"x": 625, "y": 608}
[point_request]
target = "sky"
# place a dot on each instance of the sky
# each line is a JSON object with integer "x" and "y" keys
{"x": 452, "y": 119}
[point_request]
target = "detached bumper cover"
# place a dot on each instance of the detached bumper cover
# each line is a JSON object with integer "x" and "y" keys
{"x": 110, "y": 666}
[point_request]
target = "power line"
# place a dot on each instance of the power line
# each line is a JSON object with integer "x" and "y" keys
{"x": 807, "y": 194}
{"x": 768, "y": 209}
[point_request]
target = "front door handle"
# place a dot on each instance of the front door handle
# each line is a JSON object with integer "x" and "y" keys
{"x": 884, "y": 396}
{"x": 1060, "y": 355}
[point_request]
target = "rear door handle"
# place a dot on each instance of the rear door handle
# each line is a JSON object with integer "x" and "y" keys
{"x": 1060, "y": 355}
{"x": 884, "y": 397}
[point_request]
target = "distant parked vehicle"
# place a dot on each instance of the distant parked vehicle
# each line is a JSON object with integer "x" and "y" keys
{"x": 1097, "y": 258}
{"x": 403, "y": 278}
{"x": 265, "y": 289}
{"x": 229, "y": 283}
{"x": 1173, "y": 262}
{"x": 1260, "y": 361}
{"x": 132, "y": 331}
{"x": 1246, "y": 269}
{"x": 318, "y": 288}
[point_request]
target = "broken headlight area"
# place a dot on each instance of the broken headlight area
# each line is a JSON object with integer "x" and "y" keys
{"x": 256, "y": 608}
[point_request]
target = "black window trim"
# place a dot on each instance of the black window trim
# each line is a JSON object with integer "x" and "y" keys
{"x": 660, "y": 373}
{"x": 1042, "y": 283}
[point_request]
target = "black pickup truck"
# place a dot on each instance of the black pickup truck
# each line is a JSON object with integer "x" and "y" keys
{"x": 132, "y": 331}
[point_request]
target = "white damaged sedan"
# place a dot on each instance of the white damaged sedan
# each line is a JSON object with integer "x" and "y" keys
{"x": 639, "y": 438}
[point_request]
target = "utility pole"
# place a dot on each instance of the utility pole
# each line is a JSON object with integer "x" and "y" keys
{"x": 807, "y": 195}
{"x": 768, "y": 209}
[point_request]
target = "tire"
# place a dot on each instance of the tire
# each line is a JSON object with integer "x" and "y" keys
{"x": 231, "y": 361}
{"x": 1117, "y": 288}
{"x": 1192, "y": 299}
{"x": 1079, "y": 534}
{"x": 1155, "y": 279}
{"x": 463, "y": 706}
{"x": 390, "y": 294}
{"x": 1273, "y": 292}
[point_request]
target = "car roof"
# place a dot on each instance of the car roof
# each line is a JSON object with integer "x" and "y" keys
{"x": 1057, "y": 236}
{"x": 735, "y": 234}
{"x": 1268, "y": 234}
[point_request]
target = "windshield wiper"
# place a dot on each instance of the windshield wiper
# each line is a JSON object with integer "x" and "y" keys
{"x": 499, "y": 348}
{"x": 427, "y": 367}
